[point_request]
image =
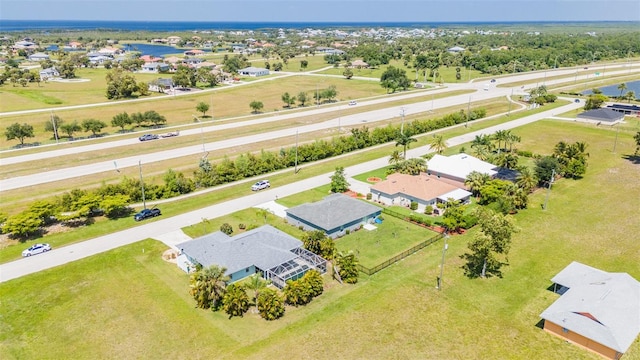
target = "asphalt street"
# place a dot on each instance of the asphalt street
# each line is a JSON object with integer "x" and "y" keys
{"x": 156, "y": 229}
{"x": 341, "y": 121}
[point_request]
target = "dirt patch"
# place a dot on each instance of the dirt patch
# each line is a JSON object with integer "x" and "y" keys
{"x": 374, "y": 179}
{"x": 170, "y": 255}
{"x": 351, "y": 193}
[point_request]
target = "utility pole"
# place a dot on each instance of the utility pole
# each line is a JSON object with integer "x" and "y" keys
{"x": 402, "y": 125}
{"x": 509, "y": 114}
{"x": 295, "y": 171}
{"x": 468, "y": 112}
{"x": 444, "y": 250}
{"x": 432, "y": 94}
{"x": 55, "y": 128}
{"x": 144, "y": 203}
{"x": 546, "y": 200}
{"x": 201, "y": 133}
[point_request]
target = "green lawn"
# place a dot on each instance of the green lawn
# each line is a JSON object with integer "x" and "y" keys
{"x": 131, "y": 304}
{"x": 390, "y": 238}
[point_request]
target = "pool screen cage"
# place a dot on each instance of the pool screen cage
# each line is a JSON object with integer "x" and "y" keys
{"x": 296, "y": 268}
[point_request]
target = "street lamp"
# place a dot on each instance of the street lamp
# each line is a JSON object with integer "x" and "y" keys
{"x": 201, "y": 133}
{"x": 444, "y": 250}
{"x": 468, "y": 112}
{"x": 144, "y": 202}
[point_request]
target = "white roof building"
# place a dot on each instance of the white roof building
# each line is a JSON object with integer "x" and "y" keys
{"x": 457, "y": 167}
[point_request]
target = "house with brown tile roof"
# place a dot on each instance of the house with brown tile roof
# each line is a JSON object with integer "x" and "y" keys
{"x": 426, "y": 190}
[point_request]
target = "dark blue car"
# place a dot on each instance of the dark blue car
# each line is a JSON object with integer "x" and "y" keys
{"x": 147, "y": 213}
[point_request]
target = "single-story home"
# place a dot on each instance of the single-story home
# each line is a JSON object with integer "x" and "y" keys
{"x": 161, "y": 85}
{"x": 457, "y": 167}
{"x": 597, "y": 310}
{"x": 426, "y": 190}
{"x": 99, "y": 59}
{"x": 335, "y": 215}
{"x": 625, "y": 109}
{"x": 253, "y": 71}
{"x": 150, "y": 58}
{"x": 38, "y": 56}
{"x": 194, "y": 52}
{"x": 49, "y": 73}
{"x": 602, "y": 115}
{"x": 155, "y": 67}
{"x": 359, "y": 64}
{"x": 172, "y": 40}
{"x": 276, "y": 255}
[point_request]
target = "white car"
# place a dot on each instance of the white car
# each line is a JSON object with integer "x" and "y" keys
{"x": 260, "y": 185}
{"x": 36, "y": 249}
{"x": 352, "y": 103}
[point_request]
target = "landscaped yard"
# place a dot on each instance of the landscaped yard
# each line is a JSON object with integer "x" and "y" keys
{"x": 393, "y": 236}
{"x": 131, "y": 304}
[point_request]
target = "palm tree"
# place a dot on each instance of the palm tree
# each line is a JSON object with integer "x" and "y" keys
{"x": 500, "y": 136}
{"x": 395, "y": 157}
{"x": 256, "y": 283}
{"x": 208, "y": 286}
{"x": 481, "y": 141}
{"x": 482, "y": 152}
{"x": 622, "y": 87}
{"x": 404, "y": 140}
{"x": 630, "y": 96}
{"x": 507, "y": 160}
{"x": 526, "y": 180}
{"x": 438, "y": 143}
{"x": 476, "y": 180}
{"x": 512, "y": 139}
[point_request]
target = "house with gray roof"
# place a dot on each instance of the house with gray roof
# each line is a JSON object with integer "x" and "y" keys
{"x": 602, "y": 115}
{"x": 335, "y": 215}
{"x": 276, "y": 255}
{"x": 597, "y": 310}
{"x": 253, "y": 71}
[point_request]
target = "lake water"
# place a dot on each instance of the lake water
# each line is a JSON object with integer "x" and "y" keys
{"x": 612, "y": 90}
{"x": 154, "y": 50}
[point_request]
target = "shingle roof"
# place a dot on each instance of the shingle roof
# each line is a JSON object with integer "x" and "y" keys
{"x": 601, "y": 306}
{"x": 423, "y": 186}
{"x": 333, "y": 211}
{"x": 264, "y": 247}
{"x": 601, "y": 114}
{"x": 459, "y": 165}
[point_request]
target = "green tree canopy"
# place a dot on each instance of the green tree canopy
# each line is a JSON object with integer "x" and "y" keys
{"x": 339, "y": 182}
{"x": 18, "y": 131}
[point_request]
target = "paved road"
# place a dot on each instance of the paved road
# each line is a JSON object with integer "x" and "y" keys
{"x": 161, "y": 227}
{"x": 349, "y": 120}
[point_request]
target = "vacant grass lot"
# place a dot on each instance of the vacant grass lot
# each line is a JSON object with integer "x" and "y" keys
{"x": 129, "y": 303}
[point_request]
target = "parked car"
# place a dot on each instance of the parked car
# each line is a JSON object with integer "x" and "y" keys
{"x": 147, "y": 213}
{"x": 353, "y": 102}
{"x": 493, "y": 80}
{"x": 146, "y": 137}
{"x": 576, "y": 101}
{"x": 36, "y": 249}
{"x": 260, "y": 185}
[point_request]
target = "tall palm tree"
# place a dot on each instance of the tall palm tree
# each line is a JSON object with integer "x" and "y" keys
{"x": 507, "y": 160}
{"x": 476, "y": 180}
{"x": 438, "y": 143}
{"x": 526, "y": 180}
{"x": 256, "y": 283}
{"x": 404, "y": 140}
{"x": 512, "y": 139}
{"x": 500, "y": 136}
{"x": 208, "y": 286}
{"x": 630, "y": 96}
{"x": 622, "y": 87}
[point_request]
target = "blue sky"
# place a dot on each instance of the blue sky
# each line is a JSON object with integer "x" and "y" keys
{"x": 323, "y": 10}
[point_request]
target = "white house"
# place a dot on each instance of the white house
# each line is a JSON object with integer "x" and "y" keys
{"x": 253, "y": 71}
{"x": 155, "y": 67}
{"x": 38, "y": 57}
{"x": 457, "y": 167}
{"x": 49, "y": 73}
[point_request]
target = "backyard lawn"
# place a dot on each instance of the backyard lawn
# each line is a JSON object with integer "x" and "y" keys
{"x": 390, "y": 238}
{"x": 129, "y": 303}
